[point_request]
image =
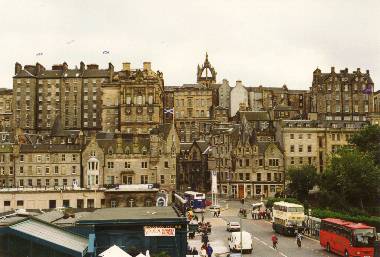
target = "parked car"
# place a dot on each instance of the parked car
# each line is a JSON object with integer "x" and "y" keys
{"x": 233, "y": 226}
{"x": 235, "y": 244}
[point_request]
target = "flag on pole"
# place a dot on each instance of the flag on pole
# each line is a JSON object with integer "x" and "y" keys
{"x": 367, "y": 90}
{"x": 171, "y": 111}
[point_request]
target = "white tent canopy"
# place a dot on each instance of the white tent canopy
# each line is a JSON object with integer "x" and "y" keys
{"x": 114, "y": 251}
{"x": 140, "y": 255}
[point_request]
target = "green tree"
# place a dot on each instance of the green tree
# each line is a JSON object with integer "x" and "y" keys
{"x": 301, "y": 180}
{"x": 368, "y": 140}
{"x": 352, "y": 179}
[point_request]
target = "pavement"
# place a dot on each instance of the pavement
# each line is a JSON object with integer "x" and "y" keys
{"x": 261, "y": 231}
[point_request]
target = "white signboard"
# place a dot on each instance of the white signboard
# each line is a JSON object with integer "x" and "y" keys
{"x": 159, "y": 231}
{"x": 214, "y": 187}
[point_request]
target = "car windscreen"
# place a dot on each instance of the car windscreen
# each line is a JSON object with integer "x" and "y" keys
{"x": 364, "y": 237}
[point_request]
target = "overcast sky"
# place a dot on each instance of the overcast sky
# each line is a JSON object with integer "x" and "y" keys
{"x": 262, "y": 42}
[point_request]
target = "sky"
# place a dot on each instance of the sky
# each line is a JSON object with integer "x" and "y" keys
{"x": 269, "y": 43}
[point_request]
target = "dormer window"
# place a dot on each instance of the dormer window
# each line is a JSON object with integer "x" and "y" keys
{"x": 144, "y": 150}
{"x": 110, "y": 150}
{"x": 127, "y": 150}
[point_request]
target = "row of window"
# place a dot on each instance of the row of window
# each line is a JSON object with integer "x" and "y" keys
{"x": 65, "y": 203}
{"x": 277, "y": 176}
{"x": 300, "y": 148}
{"x": 300, "y": 136}
{"x": 46, "y": 182}
{"x": 301, "y": 160}
{"x": 39, "y": 169}
{"x": 39, "y": 158}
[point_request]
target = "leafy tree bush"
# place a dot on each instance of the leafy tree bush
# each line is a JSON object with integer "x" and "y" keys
{"x": 367, "y": 140}
{"x": 326, "y": 213}
{"x": 351, "y": 180}
{"x": 301, "y": 180}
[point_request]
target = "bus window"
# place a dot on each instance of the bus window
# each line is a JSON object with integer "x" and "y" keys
{"x": 364, "y": 237}
{"x": 295, "y": 209}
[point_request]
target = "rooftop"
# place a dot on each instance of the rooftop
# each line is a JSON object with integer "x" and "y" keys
{"x": 130, "y": 215}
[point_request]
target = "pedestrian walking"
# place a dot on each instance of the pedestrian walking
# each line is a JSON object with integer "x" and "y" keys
{"x": 218, "y": 213}
{"x": 274, "y": 241}
{"x": 215, "y": 213}
{"x": 203, "y": 218}
{"x": 209, "y": 250}
{"x": 203, "y": 252}
{"x": 194, "y": 251}
{"x": 299, "y": 239}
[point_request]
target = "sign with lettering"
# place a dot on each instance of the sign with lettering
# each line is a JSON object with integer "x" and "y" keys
{"x": 159, "y": 231}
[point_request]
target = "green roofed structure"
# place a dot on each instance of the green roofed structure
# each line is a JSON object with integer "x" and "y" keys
{"x": 35, "y": 238}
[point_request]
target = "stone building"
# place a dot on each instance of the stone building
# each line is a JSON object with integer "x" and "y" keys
{"x": 169, "y": 103}
{"x": 192, "y": 167}
{"x": 307, "y": 142}
{"x": 7, "y": 175}
{"x": 141, "y": 103}
{"x": 110, "y": 108}
{"x": 258, "y": 123}
{"x": 239, "y": 98}
{"x": 341, "y": 96}
{"x": 246, "y": 168}
{"x": 111, "y": 159}
{"x": 192, "y": 106}
{"x": 6, "y": 111}
{"x": 40, "y": 95}
{"x": 376, "y": 102}
{"x": 47, "y": 165}
{"x": 224, "y": 93}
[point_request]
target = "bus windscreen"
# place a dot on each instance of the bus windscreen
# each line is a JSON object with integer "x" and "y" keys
{"x": 364, "y": 237}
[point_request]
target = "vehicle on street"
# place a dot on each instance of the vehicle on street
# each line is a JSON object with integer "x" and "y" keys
{"x": 233, "y": 226}
{"x": 235, "y": 244}
{"x": 196, "y": 200}
{"x": 347, "y": 238}
{"x": 288, "y": 218}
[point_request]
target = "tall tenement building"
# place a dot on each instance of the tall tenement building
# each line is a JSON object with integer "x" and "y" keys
{"x": 341, "y": 96}
{"x": 72, "y": 95}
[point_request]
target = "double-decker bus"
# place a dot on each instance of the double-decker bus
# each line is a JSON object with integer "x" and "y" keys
{"x": 347, "y": 238}
{"x": 196, "y": 200}
{"x": 287, "y": 218}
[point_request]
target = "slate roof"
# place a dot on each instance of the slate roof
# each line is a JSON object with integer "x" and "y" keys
{"x": 50, "y": 216}
{"x": 162, "y": 130}
{"x": 41, "y": 231}
{"x": 24, "y": 74}
{"x": 107, "y": 140}
{"x": 255, "y": 115}
{"x": 262, "y": 146}
{"x": 49, "y": 148}
{"x": 125, "y": 214}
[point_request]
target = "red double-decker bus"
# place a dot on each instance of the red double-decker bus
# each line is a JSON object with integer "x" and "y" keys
{"x": 347, "y": 238}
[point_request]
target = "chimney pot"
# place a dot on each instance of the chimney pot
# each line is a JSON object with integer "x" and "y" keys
{"x": 126, "y": 66}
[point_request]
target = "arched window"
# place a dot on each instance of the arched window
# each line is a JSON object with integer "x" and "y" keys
{"x": 127, "y": 150}
{"x": 128, "y": 99}
{"x": 143, "y": 150}
{"x": 110, "y": 150}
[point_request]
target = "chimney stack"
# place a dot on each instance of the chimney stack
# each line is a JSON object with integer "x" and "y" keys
{"x": 358, "y": 70}
{"x": 126, "y": 66}
{"x": 82, "y": 66}
{"x": 18, "y": 68}
{"x": 239, "y": 83}
{"x": 367, "y": 72}
{"x": 147, "y": 66}
{"x": 65, "y": 66}
{"x": 332, "y": 69}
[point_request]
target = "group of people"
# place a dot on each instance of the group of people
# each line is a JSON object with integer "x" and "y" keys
{"x": 259, "y": 214}
{"x": 217, "y": 213}
{"x": 298, "y": 240}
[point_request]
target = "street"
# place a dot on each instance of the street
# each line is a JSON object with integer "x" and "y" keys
{"x": 261, "y": 231}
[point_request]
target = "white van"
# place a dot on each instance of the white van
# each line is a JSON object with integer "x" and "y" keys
{"x": 234, "y": 242}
